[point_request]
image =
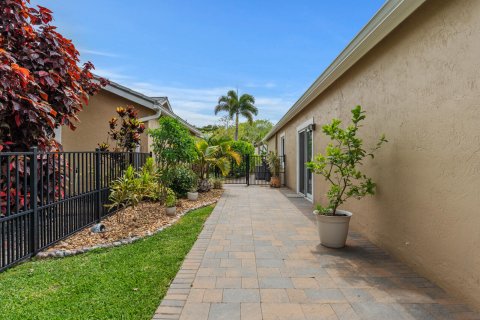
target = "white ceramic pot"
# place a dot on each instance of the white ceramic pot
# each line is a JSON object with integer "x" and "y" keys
{"x": 333, "y": 230}
{"x": 192, "y": 196}
{"x": 171, "y": 211}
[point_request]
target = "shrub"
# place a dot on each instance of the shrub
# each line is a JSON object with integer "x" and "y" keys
{"x": 339, "y": 165}
{"x": 217, "y": 183}
{"x": 133, "y": 187}
{"x": 172, "y": 144}
{"x": 127, "y": 135}
{"x": 126, "y": 190}
{"x": 170, "y": 199}
{"x": 182, "y": 180}
{"x": 149, "y": 184}
{"x": 243, "y": 147}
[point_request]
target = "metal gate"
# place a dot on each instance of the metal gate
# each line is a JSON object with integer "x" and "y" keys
{"x": 252, "y": 170}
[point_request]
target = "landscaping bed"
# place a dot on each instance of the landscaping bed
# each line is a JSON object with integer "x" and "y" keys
{"x": 126, "y": 282}
{"x": 128, "y": 225}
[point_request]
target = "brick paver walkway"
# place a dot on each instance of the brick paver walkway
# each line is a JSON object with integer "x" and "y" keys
{"x": 259, "y": 257}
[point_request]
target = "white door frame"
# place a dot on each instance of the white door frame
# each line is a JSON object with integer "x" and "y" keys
{"x": 302, "y": 127}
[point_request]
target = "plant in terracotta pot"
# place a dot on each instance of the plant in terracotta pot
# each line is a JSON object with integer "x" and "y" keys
{"x": 170, "y": 202}
{"x": 273, "y": 162}
{"x": 339, "y": 165}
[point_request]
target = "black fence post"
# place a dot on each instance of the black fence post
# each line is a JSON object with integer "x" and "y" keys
{"x": 34, "y": 199}
{"x": 98, "y": 199}
{"x": 247, "y": 168}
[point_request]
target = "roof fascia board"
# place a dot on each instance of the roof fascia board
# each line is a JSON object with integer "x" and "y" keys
{"x": 383, "y": 22}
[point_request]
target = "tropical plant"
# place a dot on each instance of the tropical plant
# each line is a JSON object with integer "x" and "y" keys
{"x": 149, "y": 183}
{"x": 340, "y": 163}
{"x": 217, "y": 183}
{"x": 126, "y": 190}
{"x": 42, "y": 86}
{"x": 273, "y": 162}
{"x": 127, "y": 135}
{"x": 170, "y": 199}
{"x": 214, "y": 152}
{"x": 236, "y": 106}
{"x": 172, "y": 143}
{"x": 182, "y": 180}
{"x": 243, "y": 147}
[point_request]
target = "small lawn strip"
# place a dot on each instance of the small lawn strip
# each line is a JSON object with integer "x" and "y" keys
{"x": 125, "y": 282}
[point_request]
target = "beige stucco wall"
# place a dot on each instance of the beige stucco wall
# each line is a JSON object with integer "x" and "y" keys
{"x": 420, "y": 86}
{"x": 93, "y": 126}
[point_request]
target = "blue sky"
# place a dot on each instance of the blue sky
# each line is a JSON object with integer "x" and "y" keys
{"x": 194, "y": 51}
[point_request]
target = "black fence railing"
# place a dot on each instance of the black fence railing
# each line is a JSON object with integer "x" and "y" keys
{"x": 252, "y": 170}
{"x": 47, "y": 196}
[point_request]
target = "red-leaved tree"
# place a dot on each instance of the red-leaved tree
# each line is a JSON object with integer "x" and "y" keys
{"x": 41, "y": 84}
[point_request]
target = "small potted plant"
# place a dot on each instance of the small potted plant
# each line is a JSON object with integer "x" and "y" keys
{"x": 273, "y": 162}
{"x": 193, "y": 193}
{"x": 340, "y": 167}
{"x": 171, "y": 203}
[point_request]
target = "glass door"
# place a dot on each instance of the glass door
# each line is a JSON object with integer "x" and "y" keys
{"x": 305, "y": 154}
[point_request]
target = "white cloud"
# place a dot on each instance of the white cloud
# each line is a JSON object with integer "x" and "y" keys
{"x": 114, "y": 75}
{"x": 98, "y": 53}
{"x": 196, "y": 105}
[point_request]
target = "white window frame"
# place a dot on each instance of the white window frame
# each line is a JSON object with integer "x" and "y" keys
{"x": 301, "y": 127}
{"x": 282, "y": 149}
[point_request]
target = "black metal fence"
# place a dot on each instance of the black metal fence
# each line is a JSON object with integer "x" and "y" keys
{"x": 252, "y": 170}
{"x": 47, "y": 196}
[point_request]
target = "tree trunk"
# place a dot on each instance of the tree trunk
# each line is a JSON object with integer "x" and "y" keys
{"x": 236, "y": 126}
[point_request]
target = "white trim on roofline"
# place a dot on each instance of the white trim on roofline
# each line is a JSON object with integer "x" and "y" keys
{"x": 158, "y": 104}
{"x": 392, "y": 13}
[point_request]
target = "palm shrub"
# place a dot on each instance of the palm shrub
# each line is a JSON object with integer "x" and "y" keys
{"x": 339, "y": 165}
{"x": 214, "y": 153}
{"x": 273, "y": 162}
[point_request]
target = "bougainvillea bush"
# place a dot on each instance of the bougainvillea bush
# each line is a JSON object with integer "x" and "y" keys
{"x": 42, "y": 85}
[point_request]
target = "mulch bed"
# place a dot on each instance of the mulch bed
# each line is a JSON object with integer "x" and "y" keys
{"x": 143, "y": 220}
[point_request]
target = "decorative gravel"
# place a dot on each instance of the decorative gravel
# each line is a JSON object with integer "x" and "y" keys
{"x": 128, "y": 225}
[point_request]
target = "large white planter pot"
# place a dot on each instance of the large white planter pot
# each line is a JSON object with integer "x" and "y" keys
{"x": 333, "y": 230}
{"x": 171, "y": 211}
{"x": 192, "y": 196}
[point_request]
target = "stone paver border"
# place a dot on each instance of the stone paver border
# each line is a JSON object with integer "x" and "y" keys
{"x": 120, "y": 242}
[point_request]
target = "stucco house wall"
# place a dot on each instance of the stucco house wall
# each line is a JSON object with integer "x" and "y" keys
{"x": 93, "y": 126}
{"x": 421, "y": 87}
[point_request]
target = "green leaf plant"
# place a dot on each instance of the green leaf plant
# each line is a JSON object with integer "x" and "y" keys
{"x": 340, "y": 163}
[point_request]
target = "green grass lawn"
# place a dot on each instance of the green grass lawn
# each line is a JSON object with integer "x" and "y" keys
{"x": 125, "y": 282}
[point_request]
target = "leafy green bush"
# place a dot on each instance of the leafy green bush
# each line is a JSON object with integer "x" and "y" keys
{"x": 170, "y": 199}
{"x": 148, "y": 179}
{"x": 243, "y": 147}
{"x": 126, "y": 190}
{"x": 217, "y": 183}
{"x": 133, "y": 187}
{"x": 182, "y": 180}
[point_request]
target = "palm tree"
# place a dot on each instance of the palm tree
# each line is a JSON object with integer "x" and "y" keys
{"x": 245, "y": 106}
{"x": 216, "y": 152}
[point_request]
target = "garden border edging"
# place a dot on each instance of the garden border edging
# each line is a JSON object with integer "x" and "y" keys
{"x": 118, "y": 243}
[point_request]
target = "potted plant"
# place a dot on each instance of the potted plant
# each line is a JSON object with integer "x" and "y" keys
{"x": 193, "y": 193}
{"x": 273, "y": 162}
{"x": 340, "y": 168}
{"x": 171, "y": 202}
